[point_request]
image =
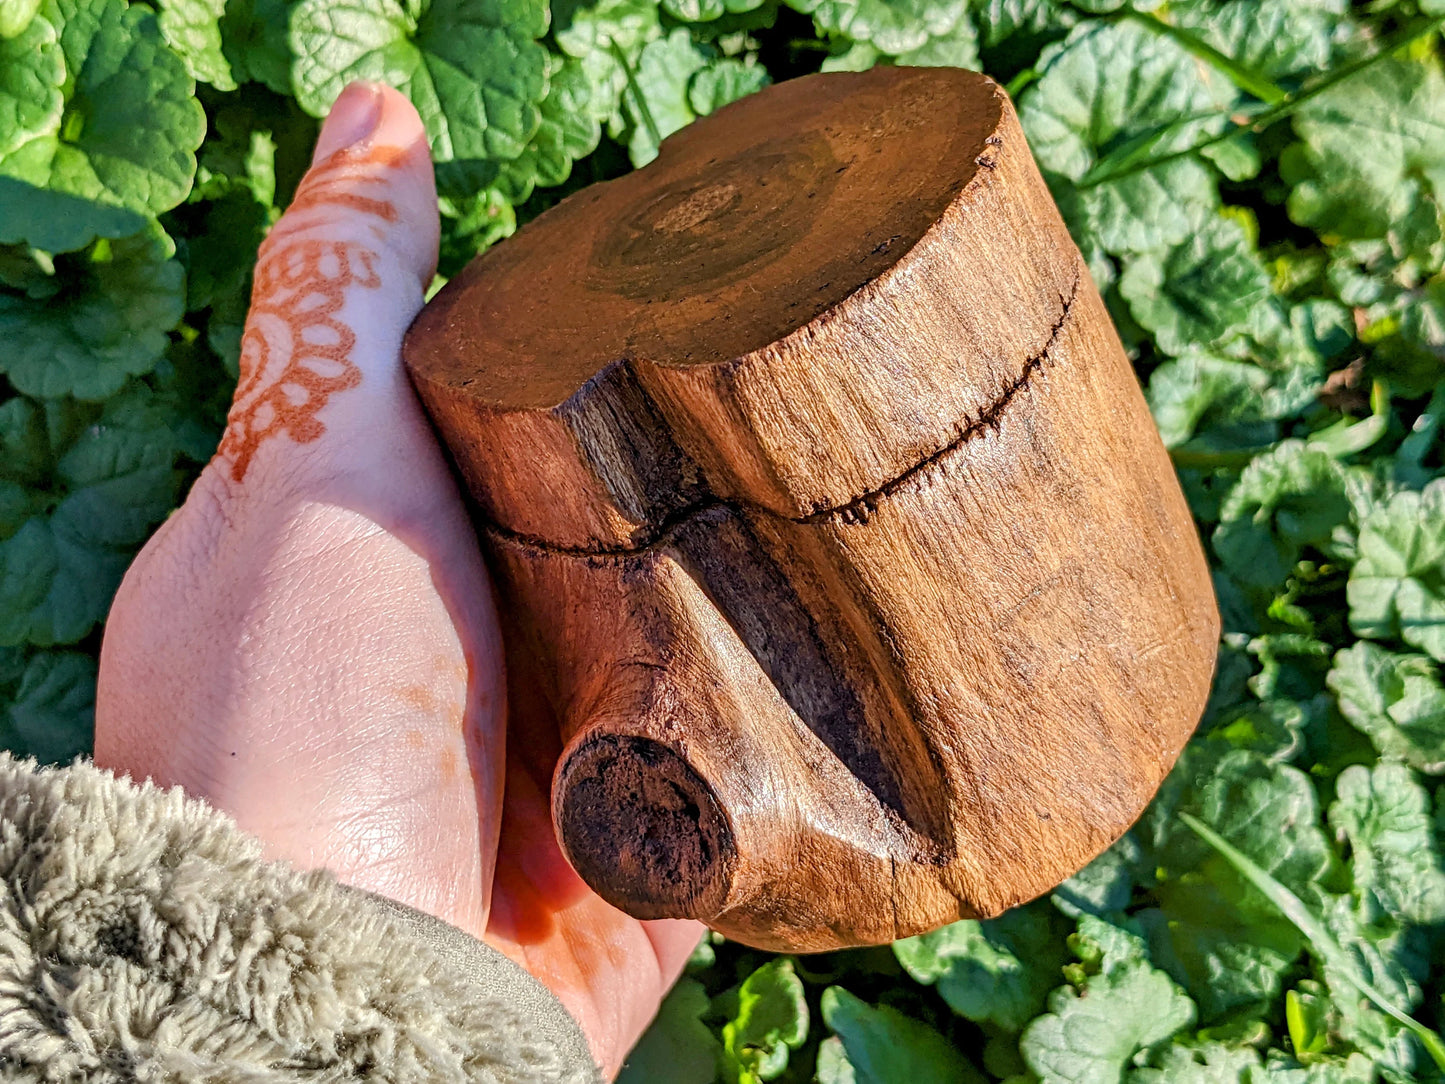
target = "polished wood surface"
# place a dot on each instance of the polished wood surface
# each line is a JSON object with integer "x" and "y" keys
{"x": 821, "y": 493}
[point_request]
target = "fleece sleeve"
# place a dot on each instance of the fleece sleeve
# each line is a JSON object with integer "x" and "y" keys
{"x": 144, "y": 937}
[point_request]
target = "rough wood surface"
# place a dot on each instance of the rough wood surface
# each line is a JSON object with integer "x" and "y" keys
{"x": 826, "y": 504}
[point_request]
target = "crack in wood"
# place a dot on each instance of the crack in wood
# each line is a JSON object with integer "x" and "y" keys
{"x": 858, "y": 510}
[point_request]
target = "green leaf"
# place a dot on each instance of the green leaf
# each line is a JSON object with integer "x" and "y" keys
{"x": 568, "y": 131}
{"x": 1226, "y": 952}
{"x": 128, "y": 133}
{"x": 1090, "y": 1034}
{"x": 193, "y": 29}
{"x": 1291, "y": 497}
{"x": 1392, "y": 960}
{"x": 880, "y": 1045}
{"x": 1237, "y": 157}
{"x": 471, "y": 226}
{"x": 657, "y": 102}
{"x": 1306, "y": 1015}
{"x": 608, "y": 38}
{"x": 472, "y": 68}
{"x": 1397, "y": 586}
{"x": 52, "y": 714}
{"x": 1105, "y": 885}
{"x": 1202, "y": 393}
{"x": 107, "y": 321}
{"x": 893, "y": 27}
{"x": 220, "y": 273}
{"x": 59, "y": 571}
{"x": 1207, "y": 1063}
{"x": 1385, "y": 815}
{"x": 1241, "y": 74}
{"x": 722, "y": 81}
{"x": 956, "y": 49}
{"x": 771, "y": 1020}
{"x": 1200, "y": 292}
{"x": 32, "y": 73}
{"x": 15, "y": 16}
{"x": 1079, "y": 111}
{"x": 1272, "y": 37}
{"x": 858, "y": 57}
{"x": 998, "y": 970}
{"x": 256, "y": 43}
{"x": 1334, "y": 957}
{"x": 239, "y": 157}
{"x": 678, "y": 1047}
{"x": 56, "y": 222}
{"x": 1396, "y": 108}
{"x": 1397, "y": 700}
{"x": 1001, "y": 21}
{"x": 1273, "y": 728}
{"x": 1270, "y": 811}
{"x": 707, "y": 11}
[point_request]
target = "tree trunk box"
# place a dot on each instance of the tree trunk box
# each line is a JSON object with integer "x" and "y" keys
{"x": 827, "y": 512}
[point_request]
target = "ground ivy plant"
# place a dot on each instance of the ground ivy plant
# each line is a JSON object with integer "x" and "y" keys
{"x": 1259, "y": 189}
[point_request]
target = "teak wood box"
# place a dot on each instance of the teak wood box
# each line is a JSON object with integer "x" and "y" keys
{"x": 827, "y": 517}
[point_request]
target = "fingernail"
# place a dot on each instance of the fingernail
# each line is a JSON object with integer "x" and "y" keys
{"x": 353, "y": 117}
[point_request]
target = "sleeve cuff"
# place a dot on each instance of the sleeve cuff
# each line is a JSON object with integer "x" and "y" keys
{"x": 143, "y": 935}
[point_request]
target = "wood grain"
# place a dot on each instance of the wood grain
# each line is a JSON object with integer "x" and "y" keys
{"x": 823, "y": 497}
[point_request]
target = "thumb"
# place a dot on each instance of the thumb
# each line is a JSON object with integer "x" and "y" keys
{"x": 309, "y": 641}
{"x": 337, "y": 282}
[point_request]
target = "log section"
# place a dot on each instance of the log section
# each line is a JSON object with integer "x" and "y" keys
{"x": 824, "y": 498}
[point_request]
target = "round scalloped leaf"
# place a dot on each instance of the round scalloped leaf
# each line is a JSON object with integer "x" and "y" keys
{"x": 1199, "y": 292}
{"x": 51, "y": 715}
{"x": 891, "y": 26}
{"x": 473, "y": 68}
{"x": 880, "y": 1045}
{"x": 1273, "y": 38}
{"x": 598, "y": 35}
{"x": 255, "y": 44}
{"x": 32, "y": 72}
{"x": 707, "y": 11}
{"x": 722, "y": 81}
{"x": 1397, "y": 586}
{"x": 116, "y": 479}
{"x": 569, "y": 131}
{"x": 1395, "y": 700}
{"x": 664, "y": 73}
{"x": 15, "y": 16}
{"x": 1081, "y": 109}
{"x": 193, "y": 29}
{"x": 56, "y": 222}
{"x": 129, "y": 131}
{"x": 1396, "y": 109}
{"x": 107, "y": 322}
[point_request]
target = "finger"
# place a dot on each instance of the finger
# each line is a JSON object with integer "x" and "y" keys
{"x": 309, "y": 642}
{"x": 337, "y": 282}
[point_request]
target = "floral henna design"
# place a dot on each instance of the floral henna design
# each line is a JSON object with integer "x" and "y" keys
{"x": 296, "y": 352}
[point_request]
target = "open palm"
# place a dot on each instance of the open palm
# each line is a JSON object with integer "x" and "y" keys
{"x": 309, "y": 643}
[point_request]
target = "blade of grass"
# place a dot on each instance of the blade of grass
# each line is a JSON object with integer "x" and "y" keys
{"x": 1320, "y": 939}
{"x": 1205, "y": 459}
{"x": 642, "y": 109}
{"x": 1141, "y": 147}
{"x": 1242, "y": 76}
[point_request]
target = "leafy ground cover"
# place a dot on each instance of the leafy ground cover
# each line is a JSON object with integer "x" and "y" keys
{"x": 1259, "y": 189}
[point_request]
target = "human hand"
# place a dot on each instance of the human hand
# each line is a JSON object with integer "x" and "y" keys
{"x": 309, "y": 642}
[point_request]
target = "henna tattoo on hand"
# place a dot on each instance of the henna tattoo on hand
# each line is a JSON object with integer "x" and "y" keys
{"x": 296, "y": 352}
